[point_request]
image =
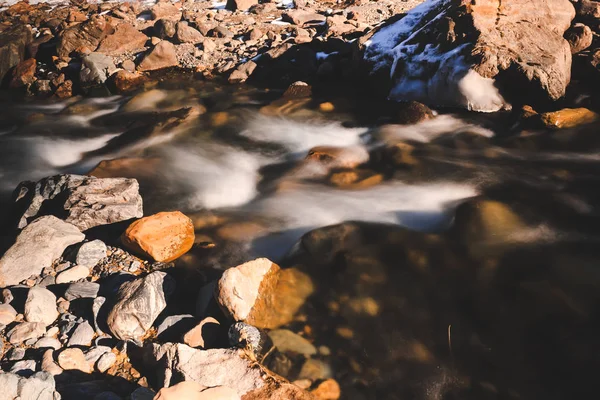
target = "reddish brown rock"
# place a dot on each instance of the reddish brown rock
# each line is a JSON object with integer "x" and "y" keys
{"x": 279, "y": 391}
{"x": 130, "y": 167}
{"x": 164, "y": 236}
{"x": 298, "y": 89}
{"x": 87, "y": 34}
{"x": 186, "y": 34}
{"x": 166, "y": 10}
{"x": 242, "y": 72}
{"x": 124, "y": 39}
{"x": 13, "y": 42}
{"x": 65, "y": 90}
{"x": 125, "y": 81}
{"x": 261, "y": 294}
{"x": 23, "y": 74}
{"x": 163, "y": 55}
{"x": 568, "y": 118}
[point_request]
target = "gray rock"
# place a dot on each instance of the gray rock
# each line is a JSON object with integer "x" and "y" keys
{"x": 7, "y": 314}
{"x": 96, "y": 305}
{"x": 94, "y": 354}
{"x": 82, "y": 335}
{"x": 26, "y": 331}
{"x": 287, "y": 341}
{"x": 106, "y": 361}
{"x": 96, "y": 68}
{"x": 37, "y": 246}
{"x": 24, "y": 366}
{"x": 40, "y": 306}
{"x": 466, "y": 70}
{"x": 39, "y": 386}
{"x": 47, "y": 281}
{"x": 87, "y": 201}
{"x": 142, "y": 393}
{"x": 217, "y": 367}
{"x": 90, "y": 253}
{"x": 15, "y": 354}
{"x": 48, "y": 343}
{"x": 82, "y": 290}
{"x": 138, "y": 304}
{"x": 73, "y": 274}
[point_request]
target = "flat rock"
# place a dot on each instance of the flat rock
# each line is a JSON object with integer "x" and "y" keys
{"x": 74, "y": 359}
{"x": 72, "y": 274}
{"x": 261, "y": 294}
{"x": 242, "y": 5}
{"x": 217, "y": 367}
{"x": 287, "y": 341}
{"x": 39, "y": 386}
{"x": 138, "y": 304}
{"x": 90, "y": 253}
{"x": 86, "y": 201}
{"x": 48, "y": 343}
{"x": 475, "y": 56}
{"x": 36, "y": 248}
{"x": 568, "y": 118}
{"x": 40, "y": 306}
{"x": 124, "y": 39}
{"x": 82, "y": 335}
{"x": 93, "y": 355}
{"x": 163, "y": 237}
{"x": 166, "y": 10}
{"x": 82, "y": 290}
{"x": 26, "y": 331}
{"x": 7, "y": 314}
{"x": 163, "y": 55}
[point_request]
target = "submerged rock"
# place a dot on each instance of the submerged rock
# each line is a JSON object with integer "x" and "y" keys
{"x": 138, "y": 304}
{"x": 456, "y": 53}
{"x": 83, "y": 201}
{"x": 36, "y": 248}
{"x": 164, "y": 237}
{"x": 39, "y": 386}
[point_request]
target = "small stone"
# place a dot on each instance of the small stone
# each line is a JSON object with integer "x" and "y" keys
{"x": 287, "y": 341}
{"x": 82, "y": 290}
{"x": 164, "y": 236}
{"x": 242, "y": 5}
{"x": 7, "y": 314}
{"x": 301, "y": 17}
{"x": 48, "y": 342}
{"x": 73, "y": 274}
{"x": 91, "y": 253}
{"x": 298, "y": 89}
{"x": 315, "y": 370}
{"x": 52, "y": 331}
{"x": 82, "y": 335}
{"x": 16, "y": 354}
{"x": 324, "y": 351}
{"x": 327, "y": 390}
{"x": 7, "y": 296}
{"x": 209, "y": 45}
{"x": 163, "y": 55}
{"x": 24, "y": 366}
{"x": 203, "y": 335}
{"x": 40, "y": 306}
{"x": 48, "y": 364}
{"x": 26, "y": 331}
{"x": 106, "y": 361}
{"x": 242, "y": 72}
{"x": 74, "y": 359}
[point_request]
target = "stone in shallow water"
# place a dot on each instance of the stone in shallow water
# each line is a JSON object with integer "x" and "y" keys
{"x": 26, "y": 331}
{"x": 138, "y": 304}
{"x": 83, "y": 201}
{"x": 90, "y": 253}
{"x": 82, "y": 290}
{"x": 40, "y": 306}
{"x": 568, "y": 118}
{"x": 36, "y": 248}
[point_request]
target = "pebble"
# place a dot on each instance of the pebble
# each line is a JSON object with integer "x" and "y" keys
{"x": 289, "y": 342}
{"x": 15, "y": 354}
{"x": 73, "y": 274}
{"x": 40, "y": 306}
{"x": 74, "y": 358}
{"x": 48, "y": 364}
{"x": 315, "y": 370}
{"x": 7, "y": 314}
{"x": 24, "y": 366}
{"x": 91, "y": 253}
{"x": 48, "y": 342}
{"x": 324, "y": 351}
{"x": 82, "y": 290}
{"x": 47, "y": 281}
{"x": 82, "y": 335}
{"x": 25, "y": 331}
{"x": 106, "y": 361}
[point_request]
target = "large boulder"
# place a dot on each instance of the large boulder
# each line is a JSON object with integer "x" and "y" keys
{"x": 36, "y": 248}
{"x": 83, "y": 201}
{"x": 39, "y": 386}
{"x": 138, "y": 304}
{"x": 124, "y": 39}
{"x": 13, "y": 43}
{"x": 477, "y": 55}
{"x": 86, "y": 35}
{"x": 163, "y": 55}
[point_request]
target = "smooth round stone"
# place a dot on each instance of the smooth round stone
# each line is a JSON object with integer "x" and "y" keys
{"x": 40, "y": 306}
{"x": 74, "y": 359}
{"x": 106, "y": 361}
{"x": 91, "y": 253}
{"x": 73, "y": 274}
{"x": 7, "y": 314}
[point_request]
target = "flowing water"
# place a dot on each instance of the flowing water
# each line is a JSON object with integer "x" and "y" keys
{"x": 413, "y": 301}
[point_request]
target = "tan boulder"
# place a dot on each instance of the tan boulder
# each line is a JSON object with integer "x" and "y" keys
{"x": 262, "y": 294}
{"x": 163, "y": 55}
{"x": 164, "y": 236}
{"x": 124, "y": 39}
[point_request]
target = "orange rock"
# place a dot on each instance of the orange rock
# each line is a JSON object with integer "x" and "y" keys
{"x": 327, "y": 390}
{"x": 164, "y": 236}
{"x": 126, "y": 81}
{"x": 130, "y": 167}
{"x": 568, "y": 118}
{"x": 339, "y": 157}
{"x": 355, "y": 179}
{"x": 23, "y": 74}
{"x": 279, "y": 391}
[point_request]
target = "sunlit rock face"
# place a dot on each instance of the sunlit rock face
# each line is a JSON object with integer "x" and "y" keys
{"x": 475, "y": 55}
